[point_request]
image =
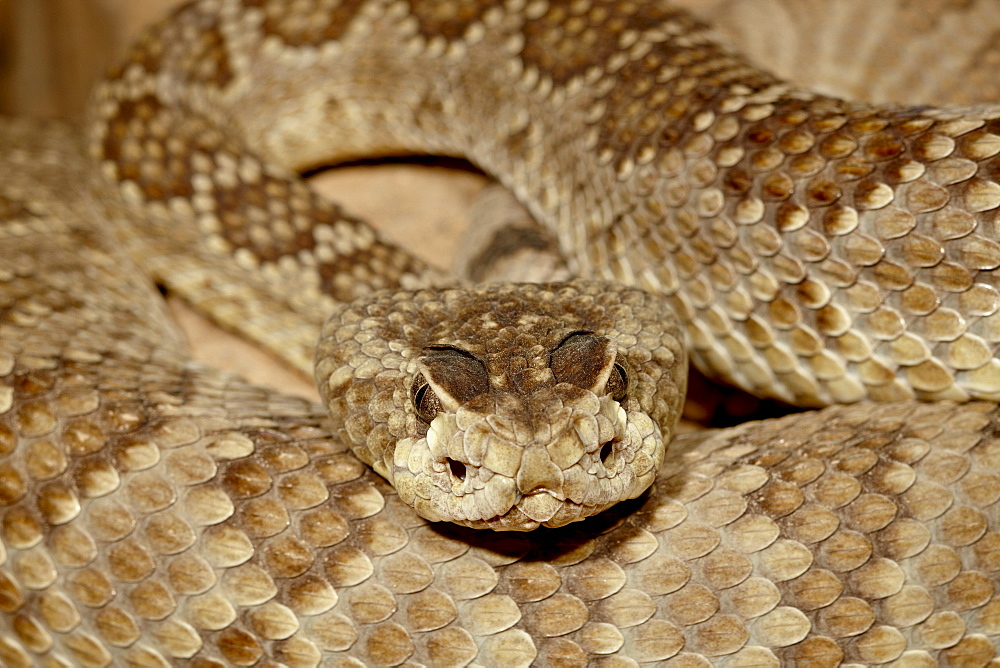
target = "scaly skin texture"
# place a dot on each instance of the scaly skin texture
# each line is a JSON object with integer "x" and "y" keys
{"x": 155, "y": 511}
{"x": 816, "y": 250}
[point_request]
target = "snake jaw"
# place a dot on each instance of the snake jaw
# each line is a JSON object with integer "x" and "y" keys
{"x": 464, "y": 470}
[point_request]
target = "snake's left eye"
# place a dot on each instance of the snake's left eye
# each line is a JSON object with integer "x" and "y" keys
{"x": 617, "y": 385}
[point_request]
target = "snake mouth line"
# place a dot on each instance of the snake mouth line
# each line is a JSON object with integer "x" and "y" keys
{"x": 568, "y": 511}
{"x": 543, "y": 505}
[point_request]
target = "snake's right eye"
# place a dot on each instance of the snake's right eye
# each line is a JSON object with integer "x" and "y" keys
{"x": 587, "y": 360}
{"x": 425, "y": 401}
{"x": 617, "y": 385}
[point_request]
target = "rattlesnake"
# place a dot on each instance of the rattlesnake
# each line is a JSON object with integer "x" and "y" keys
{"x": 156, "y": 511}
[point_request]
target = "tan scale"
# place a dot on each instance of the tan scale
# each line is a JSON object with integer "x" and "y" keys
{"x": 155, "y": 511}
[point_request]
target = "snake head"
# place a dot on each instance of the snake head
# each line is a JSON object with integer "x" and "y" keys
{"x": 510, "y": 406}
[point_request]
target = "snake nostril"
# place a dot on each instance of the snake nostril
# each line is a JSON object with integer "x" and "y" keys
{"x": 457, "y": 468}
{"x": 608, "y": 454}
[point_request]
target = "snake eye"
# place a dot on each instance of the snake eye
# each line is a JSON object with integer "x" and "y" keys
{"x": 425, "y": 401}
{"x": 448, "y": 378}
{"x": 617, "y": 385}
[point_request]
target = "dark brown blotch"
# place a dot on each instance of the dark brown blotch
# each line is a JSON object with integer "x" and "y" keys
{"x": 449, "y": 378}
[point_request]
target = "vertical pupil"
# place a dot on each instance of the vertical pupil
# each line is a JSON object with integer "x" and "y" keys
{"x": 617, "y": 383}
{"x": 426, "y": 402}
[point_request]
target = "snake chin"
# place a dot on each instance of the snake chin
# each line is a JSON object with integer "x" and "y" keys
{"x": 485, "y": 471}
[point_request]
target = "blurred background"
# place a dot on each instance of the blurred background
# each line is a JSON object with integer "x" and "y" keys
{"x": 52, "y": 50}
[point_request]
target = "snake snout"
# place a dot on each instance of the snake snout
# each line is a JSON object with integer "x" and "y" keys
{"x": 506, "y": 461}
{"x": 539, "y": 474}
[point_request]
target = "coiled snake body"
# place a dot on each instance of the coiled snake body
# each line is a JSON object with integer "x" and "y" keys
{"x": 815, "y": 250}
